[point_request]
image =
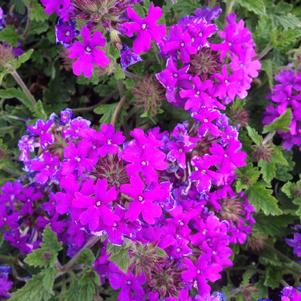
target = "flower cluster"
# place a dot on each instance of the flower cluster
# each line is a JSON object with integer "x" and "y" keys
{"x": 295, "y": 242}
{"x": 112, "y": 18}
{"x": 286, "y": 94}
{"x": 202, "y": 73}
{"x": 157, "y": 191}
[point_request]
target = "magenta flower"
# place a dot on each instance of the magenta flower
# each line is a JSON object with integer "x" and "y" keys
{"x": 96, "y": 207}
{"x": 143, "y": 201}
{"x": 88, "y": 53}
{"x": 59, "y": 7}
{"x": 109, "y": 140}
{"x": 146, "y": 28}
{"x": 42, "y": 129}
{"x": 200, "y": 272}
{"x": 171, "y": 76}
{"x": 130, "y": 286}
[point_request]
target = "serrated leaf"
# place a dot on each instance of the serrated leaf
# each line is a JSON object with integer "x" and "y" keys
{"x": 37, "y": 12}
{"x": 106, "y": 110}
{"x": 46, "y": 255}
{"x": 255, "y": 6}
{"x": 119, "y": 74}
{"x": 246, "y": 177}
{"x": 268, "y": 170}
{"x": 23, "y": 58}
{"x": 273, "y": 277}
{"x": 86, "y": 257}
{"x": 278, "y": 156}
{"x": 9, "y": 35}
{"x": 39, "y": 111}
{"x": 263, "y": 200}
{"x": 280, "y": 124}
{"x": 38, "y": 288}
{"x": 253, "y": 134}
{"x": 16, "y": 93}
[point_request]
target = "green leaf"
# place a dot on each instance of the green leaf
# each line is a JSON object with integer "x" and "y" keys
{"x": 38, "y": 288}
{"x": 280, "y": 124}
{"x": 46, "y": 255}
{"x": 246, "y": 177}
{"x": 253, "y": 134}
{"x": 273, "y": 277}
{"x": 267, "y": 67}
{"x": 16, "y": 93}
{"x": 106, "y": 110}
{"x": 119, "y": 74}
{"x": 39, "y": 111}
{"x": 23, "y": 58}
{"x": 120, "y": 255}
{"x": 9, "y": 35}
{"x": 268, "y": 170}
{"x": 278, "y": 156}
{"x": 37, "y": 12}
{"x": 255, "y": 6}
{"x": 86, "y": 257}
{"x": 263, "y": 200}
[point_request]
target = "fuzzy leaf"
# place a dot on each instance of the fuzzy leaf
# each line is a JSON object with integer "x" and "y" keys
{"x": 253, "y": 134}
{"x": 263, "y": 200}
{"x": 280, "y": 124}
{"x": 9, "y": 35}
{"x": 38, "y": 288}
{"x": 255, "y": 6}
{"x": 106, "y": 110}
{"x": 47, "y": 254}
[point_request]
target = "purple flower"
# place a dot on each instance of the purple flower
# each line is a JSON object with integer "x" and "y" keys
{"x": 143, "y": 200}
{"x": 87, "y": 53}
{"x": 5, "y": 286}
{"x": 45, "y": 167}
{"x": 2, "y": 19}
{"x": 65, "y": 32}
{"x": 295, "y": 242}
{"x": 42, "y": 130}
{"x": 59, "y": 7}
{"x": 95, "y": 203}
{"x": 109, "y": 140}
{"x": 179, "y": 43}
{"x": 146, "y": 28}
{"x": 171, "y": 76}
{"x": 130, "y": 286}
{"x": 128, "y": 57}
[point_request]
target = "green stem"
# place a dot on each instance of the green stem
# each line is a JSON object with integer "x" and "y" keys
{"x": 265, "y": 51}
{"x": 22, "y": 85}
{"x": 229, "y": 6}
{"x": 292, "y": 265}
{"x": 72, "y": 262}
{"x": 117, "y": 110}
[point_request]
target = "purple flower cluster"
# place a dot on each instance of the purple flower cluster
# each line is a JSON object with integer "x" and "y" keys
{"x": 87, "y": 47}
{"x": 286, "y": 94}
{"x": 203, "y": 74}
{"x": 295, "y": 242}
{"x": 157, "y": 190}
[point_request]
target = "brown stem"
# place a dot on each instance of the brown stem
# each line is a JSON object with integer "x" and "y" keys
{"x": 91, "y": 108}
{"x": 117, "y": 110}
{"x": 22, "y": 85}
{"x": 71, "y": 263}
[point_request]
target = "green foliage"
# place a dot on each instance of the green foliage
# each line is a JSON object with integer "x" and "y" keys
{"x": 38, "y": 288}
{"x": 262, "y": 198}
{"x": 280, "y": 124}
{"x": 46, "y": 255}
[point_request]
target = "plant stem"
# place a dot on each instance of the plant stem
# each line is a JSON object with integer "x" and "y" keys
{"x": 70, "y": 264}
{"x": 22, "y": 85}
{"x": 265, "y": 51}
{"x": 117, "y": 110}
{"x": 268, "y": 138}
{"x": 91, "y": 108}
{"x": 292, "y": 265}
{"x": 229, "y": 6}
